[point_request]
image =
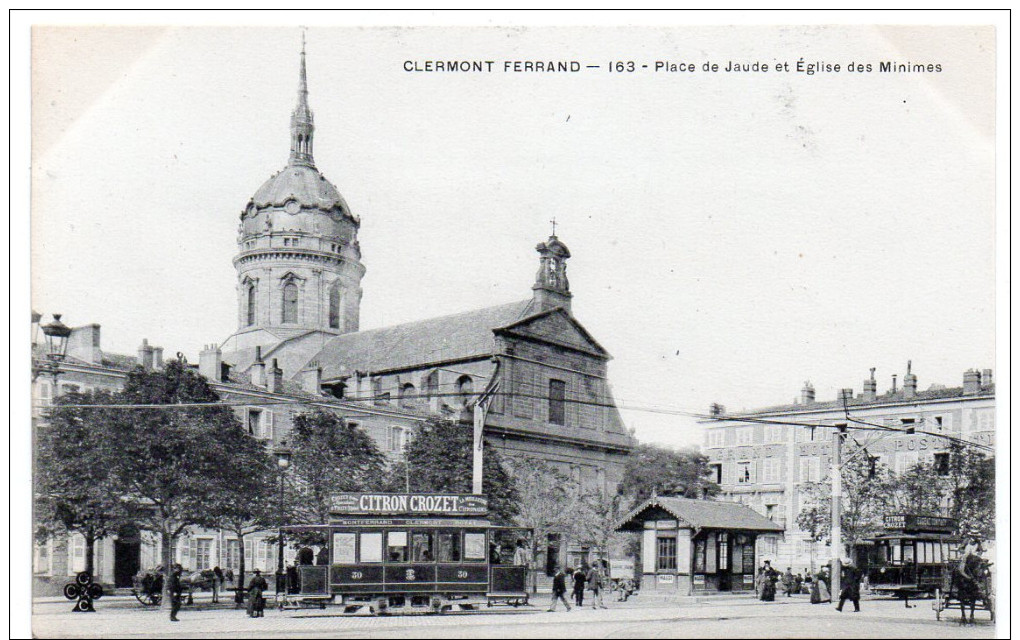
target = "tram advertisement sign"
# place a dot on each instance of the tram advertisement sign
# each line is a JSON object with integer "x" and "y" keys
{"x": 458, "y": 504}
{"x": 911, "y": 522}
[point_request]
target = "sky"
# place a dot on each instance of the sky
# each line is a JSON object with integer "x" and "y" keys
{"x": 733, "y": 234}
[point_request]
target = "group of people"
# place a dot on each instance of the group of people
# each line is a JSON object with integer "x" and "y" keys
{"x": 816, "y": 586}
{"x": 595, "y": 579}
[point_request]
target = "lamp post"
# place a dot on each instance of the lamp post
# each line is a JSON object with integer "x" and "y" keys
{"x": 57, "y": 334}
{"x": 283, "y": 462}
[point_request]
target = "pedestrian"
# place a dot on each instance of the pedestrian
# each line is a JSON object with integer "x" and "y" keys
{"x": 176, "y": 589}
{"x": 217, "y": 584}
{"x": 256, "y": 603}
{"x": 597, "y": 583}
{"x": 626, "y": 586}
{"x": 850, "y": 588}
{"x": 822, "y": 580}
{"x": 788, "y": 581}
{"x": 580, "y": 576}
{"x": 559, "y": 590}
{"x": 759, "y": 580}
{"x": 522, "y": 558}
{"x": 768, "y": 586}
{"x": 798, "y": 583}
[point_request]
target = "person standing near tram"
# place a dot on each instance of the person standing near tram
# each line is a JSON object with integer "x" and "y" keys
{"x": 523, "y": 559}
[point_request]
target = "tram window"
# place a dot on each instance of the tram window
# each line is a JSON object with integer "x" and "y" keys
{"x": 474, "y": 545}
{"x": 908, "y": 553}
{"x": 396, "y": 546}
{"x": 449, "y": 546}
{"x": 343, "y": 548}
{"x": 371, "y": 547}
{"x": 897, "y": 555}
{"x": 421, "y": 546}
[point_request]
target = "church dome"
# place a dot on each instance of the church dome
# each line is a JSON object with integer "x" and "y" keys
{"x": 302, "y": 184}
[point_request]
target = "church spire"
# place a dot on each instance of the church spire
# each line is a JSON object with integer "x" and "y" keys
{"x": 302, "y": 127}
{"x": 551, "y": 288}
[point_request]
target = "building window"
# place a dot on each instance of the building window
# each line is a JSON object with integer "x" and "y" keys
{"x": 396, "y": 439}
{"x": 771, "y": 470}
{"x": 251, "y": 305}
{"x": 775, "y": 433}
{"x": 810, "y": 469}
{"x": 745, "y": 435}
{"x": 233, "y": 557}
{"x": 716, "y": 437}
{"x": 938, "y": 423}
{"x": 432, "y": 385}
{"x": 334, "y": 307}
{"x": 743, "y": 473}
{"x": 203, "y": 554}
{"x": 254, "y": 422}
{"x": 942, "y": 464}
{"x": 557, "y": 395}
{"x": 699, "y": 555}
{"x": 465, "y": 387}
{"x": 407, "y": 395}
{"x": 666, "y": 554}
{"x": 290, "y": 303}
{"x": 715, "y": 472}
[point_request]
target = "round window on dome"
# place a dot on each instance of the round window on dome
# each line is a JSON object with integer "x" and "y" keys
{"x": 291, "y": 207}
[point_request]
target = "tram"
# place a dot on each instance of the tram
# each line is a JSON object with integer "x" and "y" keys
{"x": 911, "y": 557}
{"x": 397, "y": 553}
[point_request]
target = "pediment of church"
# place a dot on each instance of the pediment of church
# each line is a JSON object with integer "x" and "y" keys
{"x": 557, "y": 327}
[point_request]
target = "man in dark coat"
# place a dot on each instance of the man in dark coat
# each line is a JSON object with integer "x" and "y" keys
{"x": 256, "y": 603}
{"x": 579, "y": 580}
{"x": 176, "y": 589}
{"x": 851, "y": 588}
{"x": 559, "y": 590}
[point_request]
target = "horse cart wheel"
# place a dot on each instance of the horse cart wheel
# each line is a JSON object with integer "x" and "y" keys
{"x": 147, "y": 599}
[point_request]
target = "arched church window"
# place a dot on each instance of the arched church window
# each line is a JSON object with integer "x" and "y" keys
{"x": 251, "y": 304}
{"x": 334, "y": 307}
{"x": 290, "y": 303}
{"x": 465, "y": 387}
{"x": 407, "y": 395}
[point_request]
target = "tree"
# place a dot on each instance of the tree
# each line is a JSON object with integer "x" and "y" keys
{"x": 971, "y": 490}
{"x": 439, "y": 460}
{"x": 548, "y": 500}
{"x": 74, "y": 485}
{"x": 170, "y": 459}
{"x": 656, "y": 469}
{"x": 921, "y": 490}
{"x": 598, "y": 513}
{"x": 864, "y": 502}
{"x": 330, "y": 455}
{"x": 243, "y": 500}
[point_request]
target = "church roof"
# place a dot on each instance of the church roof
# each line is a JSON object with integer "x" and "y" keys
{"x": 702, "y": 514}
{"x": 453, "y": 337}
{"x": 303, "y": 184}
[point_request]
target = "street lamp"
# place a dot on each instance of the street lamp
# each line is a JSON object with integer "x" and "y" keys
{"x": 283, "y": 462}
{"x": 56, "y": 334}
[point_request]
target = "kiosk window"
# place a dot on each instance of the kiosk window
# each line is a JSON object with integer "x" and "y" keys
{"x": 421, "y": 547}
{"x": 371, "y": 547}
{"x": 449, "y": 546}
{"x": 666, "y": 554}
{"x": 396, "y": 546}
{"x": 724, "y": 552}
{"x": 343, "y": 548}
{"x": 699, "y": 556}
{"x": 474, "y": 545}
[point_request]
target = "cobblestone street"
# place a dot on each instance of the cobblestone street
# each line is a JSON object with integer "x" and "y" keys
{"x": 710, "y": 617}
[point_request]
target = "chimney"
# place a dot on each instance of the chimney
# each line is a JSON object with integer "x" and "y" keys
{"x": 807, "y": 394}
{"x": 157, "y": 357}
{"x": 311, "y": 379}
{"x": 909, "y": 383}
{"x": 986, "y": 377}
{"x": 83, "y": 343}
{"x": 210, "y": 362}
{"x": 870, "y": 387}
{"x": 845, "y": 394}
{"x": 258, "y": 369}
{"x": 716, "y": 410}
{"x": 894, "y": 383}
{"x": 971, "y": 382}
{"x": 276, "y": 378}
{"x": 145, "y": 354}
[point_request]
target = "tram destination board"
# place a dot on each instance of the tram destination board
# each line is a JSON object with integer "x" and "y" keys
{"x": 450, "y": 504}
{"x": 913, "y": 522}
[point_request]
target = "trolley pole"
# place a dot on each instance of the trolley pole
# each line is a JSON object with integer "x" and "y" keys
{"x": 836, "y": 535}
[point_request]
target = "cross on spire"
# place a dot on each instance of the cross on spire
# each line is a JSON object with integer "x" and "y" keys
{"x": 553, "y": 221}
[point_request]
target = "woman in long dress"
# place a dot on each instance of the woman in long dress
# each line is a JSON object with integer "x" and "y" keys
{"x": 823, "y": 588}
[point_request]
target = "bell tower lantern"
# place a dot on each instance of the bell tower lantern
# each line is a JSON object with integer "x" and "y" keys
{"x": 551, "y": 288}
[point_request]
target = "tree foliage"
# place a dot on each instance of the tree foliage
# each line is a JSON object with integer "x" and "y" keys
{"x": 74, "y": 481}
{"x": 329, "y": 455}
{"x": 677, "y": 472}
{"x": 438, "y": 459}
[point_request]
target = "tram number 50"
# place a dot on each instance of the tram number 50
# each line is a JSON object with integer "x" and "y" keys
{"x": 356, "y": 575}
{"x": 462, "y": 575}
